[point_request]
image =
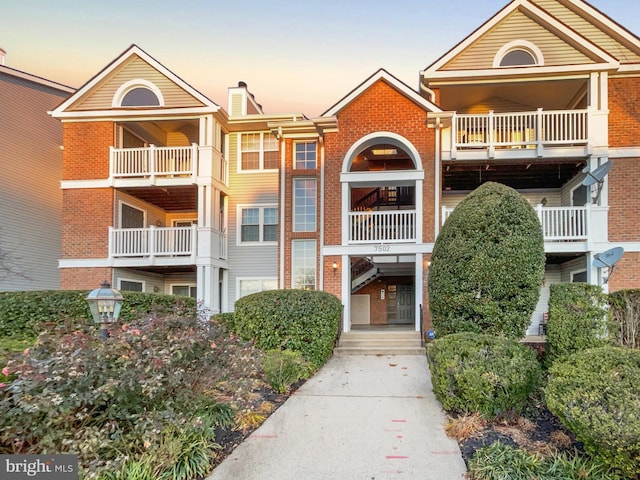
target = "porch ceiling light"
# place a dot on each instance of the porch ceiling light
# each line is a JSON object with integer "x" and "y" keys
{"x": 384, "y": 151}
{"x": 105, "y": 304}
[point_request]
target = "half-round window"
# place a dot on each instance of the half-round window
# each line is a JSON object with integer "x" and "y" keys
{"x": 138, "y": 93}
{"x": 140, "y": 97}
{"x": 516, "y": 58}
{"x": 519, "y": 53}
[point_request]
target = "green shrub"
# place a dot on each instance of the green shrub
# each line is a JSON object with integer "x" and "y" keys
{"x": 227, "y": 320}
{"x": 578, "y": 319}
{"x": 487, "y": 265}
{"x": 625, "y": 306}
{"x": 481, "y": 373}
{"x": 114, "y": 400}
{"x": 283, "y": 368}
{"x": 24, "y": 313}
{"x": 299, "y": 320}
{"x": 596, "y": 395}
{"x": 500, "y": 462}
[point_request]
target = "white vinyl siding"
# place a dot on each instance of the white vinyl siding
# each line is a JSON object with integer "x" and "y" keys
{"x": 249, "y": 189}
{"x": 30, "y": 195}
{"x": 101, "y": 97}
{"x": 480, "y": 55}
{"x": 551, "y": 275}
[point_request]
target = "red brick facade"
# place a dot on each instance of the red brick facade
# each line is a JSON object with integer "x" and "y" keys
{"x": 86, "y": 150}
{"x": 84, "y": 278}
{"x": 624, "y": 200}
{"x": 624, "y": 112}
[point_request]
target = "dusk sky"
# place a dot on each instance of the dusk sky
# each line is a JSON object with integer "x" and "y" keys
{"x": 295, "y": 55}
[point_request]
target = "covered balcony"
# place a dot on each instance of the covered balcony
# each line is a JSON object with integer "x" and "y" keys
{"x": 165, "y": 165}
{"x": 161, "y": 246}
{"x": 532, "y": 134}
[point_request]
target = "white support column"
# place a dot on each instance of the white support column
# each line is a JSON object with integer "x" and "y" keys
{"x": 419, "y": 210}
{"x": 215, "y": 290}
{"x": 346, "y": 208}
{"x": 346, "y": 293}
{"x": 419, "y": 298}
{"x": 224, "y": 296}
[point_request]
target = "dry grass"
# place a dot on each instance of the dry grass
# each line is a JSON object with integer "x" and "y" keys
{"x": 465, "y": 426}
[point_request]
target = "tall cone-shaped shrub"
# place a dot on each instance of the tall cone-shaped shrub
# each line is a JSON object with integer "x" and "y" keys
{"x": 487, "y": 265}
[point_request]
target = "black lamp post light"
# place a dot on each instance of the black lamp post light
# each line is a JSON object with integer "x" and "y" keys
{"x": 105, "y": 304}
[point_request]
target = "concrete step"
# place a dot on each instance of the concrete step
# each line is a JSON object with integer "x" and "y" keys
{"x": 380, "y": 342}
{"x": 379, "y": 351}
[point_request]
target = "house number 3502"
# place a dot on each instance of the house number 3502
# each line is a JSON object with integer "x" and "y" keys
{"x": 382, "y": 248}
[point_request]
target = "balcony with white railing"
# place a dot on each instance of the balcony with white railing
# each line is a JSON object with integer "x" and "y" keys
{"x": 154, "y": 245}
{"x": 397, "y": 226}
{"x": 562, "y": 224}
{"x": 166, "y": 165}
{"x": 517, "y": 134}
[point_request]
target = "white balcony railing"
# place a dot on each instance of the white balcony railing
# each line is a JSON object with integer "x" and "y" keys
{"x": 559, "y": 224}
{"x": 152, "y": 242}
{"x": 376, "y": 227}
{"x": 517, "y": 130}
{"x": 153, "y": 161}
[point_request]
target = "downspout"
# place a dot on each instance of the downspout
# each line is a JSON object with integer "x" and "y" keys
{"x": 437, "y": 177}
{"x": 321, "y": 219}
{"x": 282, "y": 206}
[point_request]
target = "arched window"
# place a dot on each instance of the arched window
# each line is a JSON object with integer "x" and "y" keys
{"x": 140, "y": 97}
{"x": 516, "y": 58}
{"x": 138, "y": 93}
{"x": 519, "y": 53}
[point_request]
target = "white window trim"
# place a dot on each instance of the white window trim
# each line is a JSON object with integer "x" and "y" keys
{"x": 262, "y": 207}
{"x": 293, "y": 205}
{"x": 293, "y": 274}
{"x": 573, "y": 273}
{"x": 298, "y": 142}
{"x": 260, "y": 279}
{"x": 128, "y": 204}
{"x": 193, "y": 221}
{"x": 261, "y": 155}
{"x": 525, "y": 45}
{"x": 132, "y": 84}
{"x": 180, "y": 284}
{"x": 132, "y": 280}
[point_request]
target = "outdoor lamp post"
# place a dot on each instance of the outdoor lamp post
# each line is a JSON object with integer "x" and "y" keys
{"x": 105, "y": 303}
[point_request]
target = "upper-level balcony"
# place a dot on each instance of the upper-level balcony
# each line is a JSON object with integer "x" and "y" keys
{"x": 163, "y": 246}
{"x": 398, "y": 226}
{"x": 584, "y": 225}
{"x": 526, "y": 135}
{"x": 154, "y": 165}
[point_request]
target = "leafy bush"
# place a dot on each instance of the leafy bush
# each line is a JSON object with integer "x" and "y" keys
{"x": 487, "y": 265}
{"x": 578, "y": 319}
{"x": 299, "y": 320}
{"x": 596, "y": 395}
{"x": 226, "y": 319}
{"x": 149, "y": 386}
{"x": 481, "y": 373}
{"x": 24, "y": 313}
{"x": 625, "y": 306}
{"x": 283, "y": 368}
{"x": 498, "y": 462}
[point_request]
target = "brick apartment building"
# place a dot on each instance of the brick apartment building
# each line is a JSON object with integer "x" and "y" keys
{"x": 166, "y": 191}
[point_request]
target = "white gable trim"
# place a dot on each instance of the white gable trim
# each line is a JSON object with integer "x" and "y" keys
{"x": 394, "y": 82}
{"x": 560, "y": 29}
{"x": 519, "y": 45}
{"x": 133, "y": 50}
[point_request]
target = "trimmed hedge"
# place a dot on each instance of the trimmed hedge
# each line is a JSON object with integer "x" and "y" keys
{"x": 482, "y": 373}
{"x": 596, "y": 395}
{"x": 299, "y": 320}
{"x": 625, "y": 309}
{"x": 578, "y": 319}
{"x": 487, "y": 265}
{"x": 24, "y": 313}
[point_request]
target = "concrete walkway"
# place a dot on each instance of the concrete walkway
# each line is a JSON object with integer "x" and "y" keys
{"x": 359, "y": 418}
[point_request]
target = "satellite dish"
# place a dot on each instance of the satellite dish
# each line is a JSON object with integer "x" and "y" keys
{"x": 597, "y": 176}
{"x": 609, "y": 258}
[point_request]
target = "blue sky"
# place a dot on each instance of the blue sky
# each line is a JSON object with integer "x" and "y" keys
{"x": 295, "y": 55}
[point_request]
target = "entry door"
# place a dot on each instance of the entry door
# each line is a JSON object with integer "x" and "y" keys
{"x": 405, "y": 309}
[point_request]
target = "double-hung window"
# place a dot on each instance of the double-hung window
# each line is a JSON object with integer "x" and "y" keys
{"x": 304, "y": 204}
{"x": 258, "y": 224}
{"x": 305, "y": 153}
{"x": 258, "y": 151}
